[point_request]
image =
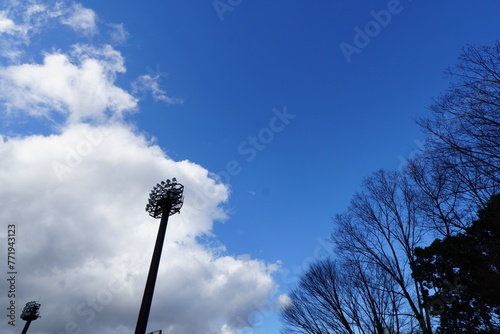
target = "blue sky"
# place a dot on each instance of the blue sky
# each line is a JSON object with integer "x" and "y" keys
{"x": 257, "y": 95}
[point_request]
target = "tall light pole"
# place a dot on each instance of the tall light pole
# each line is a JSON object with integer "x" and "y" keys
{"x": 165, "y": 199}
{"x": 30, "y": 312}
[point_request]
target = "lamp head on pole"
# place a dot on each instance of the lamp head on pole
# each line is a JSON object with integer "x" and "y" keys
{"x": 31, "y": 311}
{"x": 166, "y": 195}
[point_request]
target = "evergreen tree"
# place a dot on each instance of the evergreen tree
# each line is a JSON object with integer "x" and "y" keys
{"x": 461, "y": 274}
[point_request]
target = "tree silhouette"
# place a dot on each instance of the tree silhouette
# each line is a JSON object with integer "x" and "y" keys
{"x": 464, "y": 128}
{"x": 384, "y": 279}
{"x": 461, "y": 275}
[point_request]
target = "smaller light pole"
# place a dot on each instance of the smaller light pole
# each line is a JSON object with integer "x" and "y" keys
{"x": 165, "y": 199}
{"x": 30, "y": 312}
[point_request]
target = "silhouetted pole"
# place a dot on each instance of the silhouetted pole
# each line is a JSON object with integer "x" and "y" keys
{"x": 151, "y": 281}
{"x": 26, "y": 326}
{"x": 164, "y": 200}
{"x": 30, "y": 313}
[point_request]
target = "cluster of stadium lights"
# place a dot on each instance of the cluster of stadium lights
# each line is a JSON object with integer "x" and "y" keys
{"x": 166, "y": 195}
{"x": 31, "y": 311}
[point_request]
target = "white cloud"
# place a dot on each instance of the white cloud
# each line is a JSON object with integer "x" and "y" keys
{"x": 11, "y": 35}
{"x": 38, "y": 8}
{"x": 81, "y": 19}
{"x": 147, "y": 83}
{"x": 21, "y": 20}
{"x": 79, "y": 85}
{"x": 7, "y": 26}
{"x": 284, "y": 300}
{"x": 118, "y": 33}
{"x": 85, "y": 242}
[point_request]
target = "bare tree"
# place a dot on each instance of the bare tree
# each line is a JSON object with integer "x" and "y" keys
{"x": 444, "y": 208}
{"x": 374, "y": 306}
{"x": 372, "y": 288}
{"x": 318, "y": 303}
{"x": 345, "y": 298}
{"x": 381, "y": 228}
{"x": 464, "y": 126}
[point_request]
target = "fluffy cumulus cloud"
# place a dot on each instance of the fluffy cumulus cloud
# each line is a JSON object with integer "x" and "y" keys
{"x": 79, "y": 84}
{"x": 77, "y": 199}
{"x": 85, "y": 242}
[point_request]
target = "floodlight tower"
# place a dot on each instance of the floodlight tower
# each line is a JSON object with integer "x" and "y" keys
{"x": 165, "y": 199}
{"x": 30, "y": 312}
